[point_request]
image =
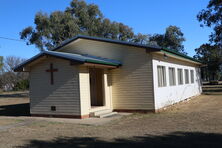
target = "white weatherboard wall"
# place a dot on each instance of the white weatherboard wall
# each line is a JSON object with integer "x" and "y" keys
{"x": 168, "y": 95}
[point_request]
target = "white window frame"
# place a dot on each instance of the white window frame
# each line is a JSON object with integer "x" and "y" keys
{"x": 192, "y": 76}
{"x": 161, "y": 76}
{"x": 172, "y": 76}
{"x": 180, "y": 76}
{"x": 187, "y": 77}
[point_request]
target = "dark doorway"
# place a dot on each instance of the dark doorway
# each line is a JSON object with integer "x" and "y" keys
{"x": 96, "y": 86}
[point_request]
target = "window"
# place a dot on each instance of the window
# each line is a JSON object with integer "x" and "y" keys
{"x": 180, "y": 76}
{"x": 161, "y": 76}
{"x": 172, "y": 78}
{"x": 186, "y": 76}
{"x": 192, "y": 76}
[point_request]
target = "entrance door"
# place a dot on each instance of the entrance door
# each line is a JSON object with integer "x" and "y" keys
{"x": 96, "y": 86}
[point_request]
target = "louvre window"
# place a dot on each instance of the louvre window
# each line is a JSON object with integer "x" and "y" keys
{"x": 186, "y": 76}
{"x": 192, "y": 76}
{"x": 172, "y": 77}
{"x": 161, "y": 70}
{"x": 180, "y": 76}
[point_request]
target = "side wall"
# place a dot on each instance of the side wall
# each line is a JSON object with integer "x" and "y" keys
{"x": 168, "y": 95}
{"x": 132, "y": 86}
{"x": 64, "y": 94}
{"x": 132, "y": 83}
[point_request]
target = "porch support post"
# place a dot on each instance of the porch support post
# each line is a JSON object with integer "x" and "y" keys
{"x": 84, "y": 86}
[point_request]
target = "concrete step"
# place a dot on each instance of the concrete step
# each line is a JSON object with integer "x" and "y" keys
{"x": 101, "y": 112}
{"x": 107, "y": 115}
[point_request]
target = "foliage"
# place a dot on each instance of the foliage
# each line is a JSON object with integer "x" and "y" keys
{"x": 212, "y": 17}
{"x": 173, "y": 38}
{"x": 21, "y": 85}
{"x": 78, "y": 18}
{"x": 51, "y": 30}
{"x": 141, "y": 38}
{"x": 211, "y": 57}
{"x": 1, "y": 62}
{"x": 87, "y": 19}
{"x": 8, "y": 78}
{"x": 211, "y": 54}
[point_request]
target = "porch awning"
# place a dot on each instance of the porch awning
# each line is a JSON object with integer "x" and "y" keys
{"x": 75, "y": 58}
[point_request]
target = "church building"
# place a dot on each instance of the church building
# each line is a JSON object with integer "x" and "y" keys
{"x": 90, "y": 76}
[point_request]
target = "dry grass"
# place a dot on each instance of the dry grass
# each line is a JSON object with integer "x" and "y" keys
{"x": 196, "y": 123}
{"x": 5, "y": 122}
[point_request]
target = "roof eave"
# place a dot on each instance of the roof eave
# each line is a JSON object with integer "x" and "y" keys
{"x": 20, "y": 67}
{"x": 165, "y": 50}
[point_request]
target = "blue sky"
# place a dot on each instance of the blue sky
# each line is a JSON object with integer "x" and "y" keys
{"x": 144, "y": 16}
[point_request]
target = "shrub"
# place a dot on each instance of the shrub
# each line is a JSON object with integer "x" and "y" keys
{"x": 21, "y": 85}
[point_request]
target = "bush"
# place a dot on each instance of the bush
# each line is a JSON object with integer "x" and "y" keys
{"x": 214, "y": 82}
{"x": 21, "y": 85}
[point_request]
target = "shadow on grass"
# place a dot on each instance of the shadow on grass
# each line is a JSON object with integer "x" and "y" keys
{"x": 212, "y": 93}
{"x": 177, "y": 139}
{"x": 14, "y": 95}
{"x": 212, "y": 90}
{"x": 15, "y": 110}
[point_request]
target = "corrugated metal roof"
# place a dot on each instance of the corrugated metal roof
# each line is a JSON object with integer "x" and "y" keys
{"x": 72, "y": 57}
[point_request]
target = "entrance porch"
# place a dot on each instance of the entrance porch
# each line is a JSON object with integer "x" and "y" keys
{"x": 95, "y": 90}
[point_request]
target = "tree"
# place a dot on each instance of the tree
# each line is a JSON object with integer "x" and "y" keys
{"x": 79, "y": 18}
{"x": 51, "y": 29}
{"x": 87, "y": 19}
{"x": 212, "y": 17}
{"x": 109, "y": 29}
{"x": 88, "y": 15}
{"x": 173, "y": 39}
{"x": 8, "y": 78}
{"x": 1, "y": 62}
{"x": 211, "y": 53}
{"x": 141, "y": 38}
{"x": 211, "y": 57}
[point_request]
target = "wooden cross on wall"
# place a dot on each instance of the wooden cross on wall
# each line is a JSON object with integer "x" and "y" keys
{"x": 52, "y": 70}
